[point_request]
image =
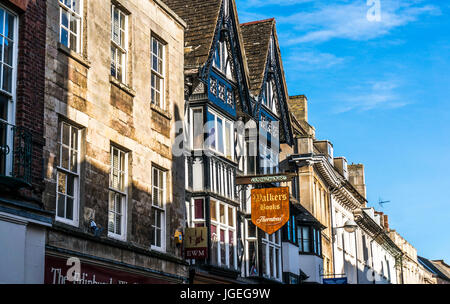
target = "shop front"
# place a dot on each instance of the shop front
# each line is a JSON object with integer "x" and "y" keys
{"x": 65, "y": 269}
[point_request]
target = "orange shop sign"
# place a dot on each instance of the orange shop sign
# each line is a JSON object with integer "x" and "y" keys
{"x": 270, "y": 208}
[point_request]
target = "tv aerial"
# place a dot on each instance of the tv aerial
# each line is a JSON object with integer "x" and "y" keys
{"x": 381, "y": 202}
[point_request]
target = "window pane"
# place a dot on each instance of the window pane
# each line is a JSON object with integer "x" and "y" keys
{"x": 62, "y": 182}
{"x": 70, "y": 185}
{"x": 253, "y": 264}
{"x": 198, "y": 209}
{"x": 230, "y": 217}
{"x": 117, "y": 204}
{"x": 158, "y": 238}
{"x": 263, "y": 257}
{"x": 251, "y": 229}
{"x": 69, "y": 208}
{"x": 197, "y": 117}
{"x": 214, "y": 240}
{"x": 113, "y": 61}
{"x": 118, "y": 224}
{"x": 8, "y": 52}
{"x": 220, "y": 135}
{"x": 222, "y": 213}
{"x": 277, "y": 262}
{"x": 222, "y": 248}
{"x": 3, "y": 108}
{"x": 9, "y": 26}
{"x": 61, "y": 205}
{"x": 64, "y": 19}
{"x": 155, "y": 63}
{"x": 228, "y": 139}
{"x": 161, "y": 180}
{"x": 231, "y": 248}
{"x": 7, "y": 78}
{"x": 115, "y": 25}
{"x": 73, "y": 42}
{"x": 271, "y": 261}
{"x": 2, "y": 16}
{"x": 213, "y": 210}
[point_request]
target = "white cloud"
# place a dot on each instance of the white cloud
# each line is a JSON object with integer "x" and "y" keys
{"x": 261, "y": 3}
{"x": 307, "y": 60}
{"x": 369, "y": 96}
{"x": 348, "y": 20}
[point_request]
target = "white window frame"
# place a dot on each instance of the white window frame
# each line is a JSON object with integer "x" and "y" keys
{"x": 121, "y": 192}
{"x": 216, "y": 134}
{"x": 158, "y": 208}
{"x": 67, "y": 171}
{"x": 251, "y": 239}
{"x": 10, "y": 95}
{"x": 192, "y": 126}
{"x": 271, "y": 244}
{"x": 79, "y": 24}
{"x": 122, "y": 49}
{"x": 225, "y": 226}
{"x": 159, "y": 75}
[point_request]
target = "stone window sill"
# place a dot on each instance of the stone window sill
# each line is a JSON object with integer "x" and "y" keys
{"x": 164, "y": 113}
{"x": 122, "y": 86}
{"x": 75, "y": 56}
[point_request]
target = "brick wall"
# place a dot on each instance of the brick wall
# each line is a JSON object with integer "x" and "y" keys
{"x": 31, "y": 83}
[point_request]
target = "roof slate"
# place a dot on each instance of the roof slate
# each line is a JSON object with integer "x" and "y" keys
{"x": 256, "y": 36}
{"x": 201, "y": 17}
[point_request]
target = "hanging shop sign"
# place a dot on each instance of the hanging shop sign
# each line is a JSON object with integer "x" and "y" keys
{"x": 196, "y": 243}
{"x": 23, "y": 4}
{"x": 264, "y": 179}
{"x": 270, "y": 208}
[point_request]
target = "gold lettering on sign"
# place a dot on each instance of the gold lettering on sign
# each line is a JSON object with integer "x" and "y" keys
{"x": 270, "y": 208}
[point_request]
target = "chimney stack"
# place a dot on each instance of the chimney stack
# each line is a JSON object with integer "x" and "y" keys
{"x": 357, "y": 179}
{"x": 299, "y": 107}
{"x": 386, "y": 222}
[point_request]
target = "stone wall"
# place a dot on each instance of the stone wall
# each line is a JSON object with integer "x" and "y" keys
{"x": 79, "y": 89}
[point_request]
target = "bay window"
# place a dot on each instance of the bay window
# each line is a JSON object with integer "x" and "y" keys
{"x": 309, "y": 240}
{"x": 71, "y": 24}
{"x": 220, "y": 135}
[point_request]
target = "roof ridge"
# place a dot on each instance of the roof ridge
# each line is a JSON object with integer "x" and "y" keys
{"x": 256, "y": 22}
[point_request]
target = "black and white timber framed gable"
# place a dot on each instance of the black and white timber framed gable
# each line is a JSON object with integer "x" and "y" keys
{"x": 268, "y": 85}
{"x": 227, "y": 57}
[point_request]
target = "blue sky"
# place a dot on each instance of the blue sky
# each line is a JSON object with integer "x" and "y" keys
{"x": 378, "y": 91}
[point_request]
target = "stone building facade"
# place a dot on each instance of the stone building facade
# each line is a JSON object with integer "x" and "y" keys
{"x": 113, "y": 92}
{"x": 412, "y": 271}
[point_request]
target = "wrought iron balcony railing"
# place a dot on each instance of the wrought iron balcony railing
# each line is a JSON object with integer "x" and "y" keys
{"x": 15, "y": 155}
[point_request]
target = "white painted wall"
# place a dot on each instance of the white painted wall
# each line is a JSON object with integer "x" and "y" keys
{"x": 22, "y": 251}
{"x": 347, "y": 248}
{"x": 312, "y": 265}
